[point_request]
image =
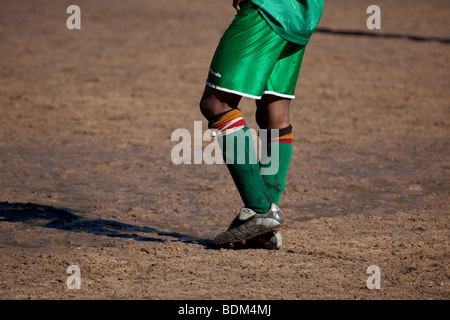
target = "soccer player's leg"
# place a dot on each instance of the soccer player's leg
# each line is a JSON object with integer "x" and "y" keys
{"x": 273, "y": 113}
{"x": 259, "y": 214}
{"x": 237, "y": 147}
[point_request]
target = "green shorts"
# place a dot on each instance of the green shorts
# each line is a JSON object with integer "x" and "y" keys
{"x": 252, "y": 60}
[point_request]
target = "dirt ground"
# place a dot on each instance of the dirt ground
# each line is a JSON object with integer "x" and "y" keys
{"x": 87, "y": 177}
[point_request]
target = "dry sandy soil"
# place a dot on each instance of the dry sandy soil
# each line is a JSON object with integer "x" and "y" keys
{"x": 87, "y": 177}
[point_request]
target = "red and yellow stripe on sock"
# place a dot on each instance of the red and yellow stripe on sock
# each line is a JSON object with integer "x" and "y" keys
{"x": 287, "y": 138}
{"x": 232, "y": 119}
{"x": 285, "y": 135}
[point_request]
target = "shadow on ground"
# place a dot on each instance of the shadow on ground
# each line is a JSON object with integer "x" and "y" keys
{"x": 355, "y": 33}
{"x": 67, "y": 220}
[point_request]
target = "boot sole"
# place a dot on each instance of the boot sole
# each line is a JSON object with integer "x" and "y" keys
{"x": 248, "y": 230}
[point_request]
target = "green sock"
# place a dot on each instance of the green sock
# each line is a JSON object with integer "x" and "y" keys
{"x": 276, "y": 183}
{"x": 239, "y": 154}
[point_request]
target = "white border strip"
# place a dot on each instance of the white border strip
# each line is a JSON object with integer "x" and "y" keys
{"x": 282, "y": 95}
{"x": 233, "y": 91}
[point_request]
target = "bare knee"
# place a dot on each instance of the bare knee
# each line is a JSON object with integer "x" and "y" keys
{"x": 214, "y": 102}
{"x": 272, "y": 112}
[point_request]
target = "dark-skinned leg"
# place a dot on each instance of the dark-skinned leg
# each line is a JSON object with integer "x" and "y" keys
{"x": 220, "y": 109}
{"x": 273, "y": 113}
